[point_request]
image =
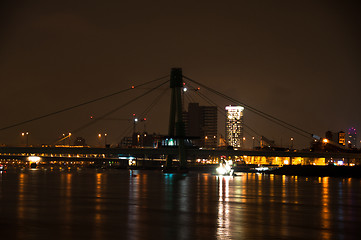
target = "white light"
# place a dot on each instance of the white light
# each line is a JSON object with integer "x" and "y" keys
{"x": 239, "y": 108}
{"x": 136, "y": 120}
{"x": 262, "y": 169}
{"x": 34, "y": 159}
{"x": 225, "y": 168}
{"x": 221, "y": 170}
{"x": 185, "y": 89}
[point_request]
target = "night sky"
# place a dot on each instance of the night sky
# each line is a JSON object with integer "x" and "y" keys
{"x": 296, "y": 60}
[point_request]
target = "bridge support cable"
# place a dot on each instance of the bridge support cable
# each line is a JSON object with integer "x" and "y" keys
{"x": 280, "y": 122}
{"x": 118, "y": 108}
{"x": 81, "y": 104}
{"x": 154, "y": 103}
{"x": 127, "y": 131}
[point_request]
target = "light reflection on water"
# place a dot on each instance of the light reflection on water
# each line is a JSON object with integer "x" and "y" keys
{"x": 123, "y": 204}
{"x": 224, "y": 221}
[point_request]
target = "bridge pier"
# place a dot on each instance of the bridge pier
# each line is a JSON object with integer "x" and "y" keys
{"x": 176, "y": 125}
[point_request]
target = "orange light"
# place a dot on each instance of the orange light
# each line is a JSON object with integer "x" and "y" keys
{"x": 325, "y": 140}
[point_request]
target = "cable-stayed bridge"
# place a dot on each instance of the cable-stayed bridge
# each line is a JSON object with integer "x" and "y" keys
{"x": 176, "y": 130}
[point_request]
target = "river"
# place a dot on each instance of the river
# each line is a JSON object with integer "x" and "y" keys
{"x": 130, "y": 204}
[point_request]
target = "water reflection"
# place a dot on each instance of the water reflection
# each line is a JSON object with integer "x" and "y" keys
{"x": 66, "y": 192}
{"x": 151, "y": 205}
{"x": 325, "y": 214}
{"x": 98, "y": 205}
{"x": 134, "y": 203}
{"x": 223, "y": 222}
{"x": 21, "y": 207}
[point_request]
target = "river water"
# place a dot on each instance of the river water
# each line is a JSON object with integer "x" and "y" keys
{"x": 121, "y": 204}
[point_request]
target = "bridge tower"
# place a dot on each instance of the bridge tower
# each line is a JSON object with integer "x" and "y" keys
{"x": 176, "y": 124}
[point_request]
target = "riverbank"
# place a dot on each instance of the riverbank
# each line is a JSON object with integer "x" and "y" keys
{"x": 319, "y": 171}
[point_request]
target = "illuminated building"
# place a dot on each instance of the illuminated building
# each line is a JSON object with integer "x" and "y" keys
{"x": 342, "y": 138}
{"x": 352, "y": 138}
{"x": 234, "y": 126}
{"x": 201, "y": 125}
{"x": 339, "y": 137}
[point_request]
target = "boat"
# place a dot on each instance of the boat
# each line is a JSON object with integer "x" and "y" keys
{"x": 225, "y": 168}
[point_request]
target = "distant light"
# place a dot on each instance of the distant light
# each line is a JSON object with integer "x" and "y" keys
{"x": 234, "y": 108}
{"x": 132, "y": 86}
{"x": 34, "y": 159}
{"x": 185, "y": 89}
{"x": 135, "y": 119}
{"x": 325, "y": 140}
{"x": 261, "y": 169}
{"x": 221, "y": 170}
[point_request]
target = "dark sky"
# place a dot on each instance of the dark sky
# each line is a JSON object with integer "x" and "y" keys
{"x": 297, "y": 60}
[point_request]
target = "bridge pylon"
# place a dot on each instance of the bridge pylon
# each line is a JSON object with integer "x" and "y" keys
{"x": 176, "y": 125}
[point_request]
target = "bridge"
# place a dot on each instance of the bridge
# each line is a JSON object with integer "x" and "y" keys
{"x": 176, "y": 130}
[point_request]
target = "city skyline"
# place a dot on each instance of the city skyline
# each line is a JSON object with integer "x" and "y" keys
{"x": 296, "y": 61}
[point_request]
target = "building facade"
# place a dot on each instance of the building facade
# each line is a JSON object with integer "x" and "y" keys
{"x": 352, "y": 138}
{"x": 234, "y": 126}
{"x": 201, "y": 125}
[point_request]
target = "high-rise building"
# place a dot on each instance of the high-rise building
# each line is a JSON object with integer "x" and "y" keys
{"x": 209, "y": 126}
{"x": 341, "y": 138}
{"x": 234, "y": 126}
{"x": 201, "y": 124}
{"x": 352, "y": 137}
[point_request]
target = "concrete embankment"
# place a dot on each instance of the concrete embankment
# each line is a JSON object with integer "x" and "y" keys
{"x": 319, "y": 171}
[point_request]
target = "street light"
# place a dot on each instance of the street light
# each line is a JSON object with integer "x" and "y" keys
{"x": 291, "y": 143}
{"x": 244, "y": 139}
{"x": 27, "y": 137}
{"x": 105, "y": 138}
{"x": 69, "y": 138}
{"x": 252, "y": 142}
